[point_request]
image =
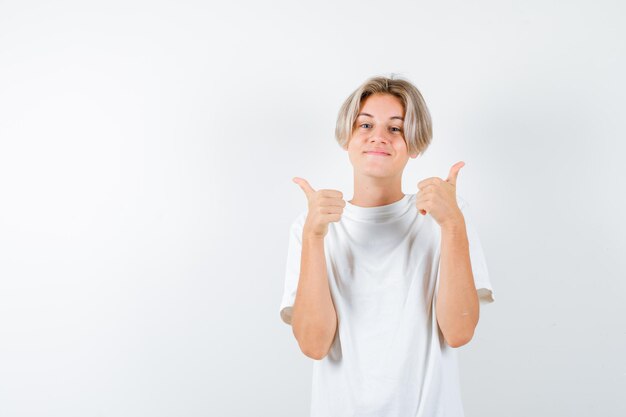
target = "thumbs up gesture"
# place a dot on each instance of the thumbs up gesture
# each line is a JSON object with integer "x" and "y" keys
{"x": 437, "y": 197}
{"x": 325, "y": 206}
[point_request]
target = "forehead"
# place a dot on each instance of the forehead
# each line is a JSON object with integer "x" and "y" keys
{"x": 382, "y": 105}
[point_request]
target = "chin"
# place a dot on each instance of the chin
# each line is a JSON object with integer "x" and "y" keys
{"x": 376, "y": 172}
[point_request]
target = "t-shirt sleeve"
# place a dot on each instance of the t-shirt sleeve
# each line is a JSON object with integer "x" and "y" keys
{"x": 292, "y": 268}
{"x": 477, "y": 257}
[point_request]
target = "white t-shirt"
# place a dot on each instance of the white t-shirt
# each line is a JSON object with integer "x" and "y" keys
{"x": 389, "y": 357}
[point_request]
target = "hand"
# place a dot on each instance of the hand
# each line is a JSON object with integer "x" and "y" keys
{"x": 325, "y": 206}
{"x": 438, "y": 197}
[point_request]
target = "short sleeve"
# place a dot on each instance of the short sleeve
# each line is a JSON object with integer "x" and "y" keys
{"x": 292, "y": 268}
{"x": 477, "y": 256}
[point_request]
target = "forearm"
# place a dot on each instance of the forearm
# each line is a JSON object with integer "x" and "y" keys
{"x": 314, "y": 318}
{"x": 457, "y": 305}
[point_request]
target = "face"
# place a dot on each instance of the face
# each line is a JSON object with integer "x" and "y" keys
{"x": 379, "y": 126}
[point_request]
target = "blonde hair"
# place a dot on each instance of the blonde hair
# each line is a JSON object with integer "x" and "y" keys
{"x": 418, "y": 130}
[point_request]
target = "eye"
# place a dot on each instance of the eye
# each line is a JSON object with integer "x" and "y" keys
{"x": 364, "y": 124}
{"x": 399, "y": 130}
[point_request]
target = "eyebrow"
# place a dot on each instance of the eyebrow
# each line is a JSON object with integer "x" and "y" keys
{"x": 369, "y": 115}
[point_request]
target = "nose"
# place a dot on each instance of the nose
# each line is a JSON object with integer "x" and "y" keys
{"x": 379, "y": 134}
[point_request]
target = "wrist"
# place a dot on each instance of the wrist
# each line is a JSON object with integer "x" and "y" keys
{"x": 454, "y": 225}
{"x": 310, "y": 236}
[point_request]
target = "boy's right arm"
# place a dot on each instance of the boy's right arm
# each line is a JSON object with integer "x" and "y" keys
{"x": 314, "y": 321}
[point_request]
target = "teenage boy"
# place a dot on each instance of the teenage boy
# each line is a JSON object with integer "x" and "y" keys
{"x": 380, "y": 289}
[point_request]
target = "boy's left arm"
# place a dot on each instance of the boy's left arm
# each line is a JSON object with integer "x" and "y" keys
{"x": 457, "y": 306}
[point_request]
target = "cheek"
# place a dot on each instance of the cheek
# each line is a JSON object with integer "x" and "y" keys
{"x": 400, "y": 145}
{"x": 357, "y": 139}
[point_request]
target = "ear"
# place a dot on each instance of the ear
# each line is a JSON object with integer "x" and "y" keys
{"x": 413, "y": 155}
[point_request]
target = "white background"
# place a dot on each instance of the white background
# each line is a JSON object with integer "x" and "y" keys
{"x": 146, "y": 156}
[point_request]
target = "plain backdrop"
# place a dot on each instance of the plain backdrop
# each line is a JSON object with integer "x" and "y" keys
{"x": 146, "y": 156}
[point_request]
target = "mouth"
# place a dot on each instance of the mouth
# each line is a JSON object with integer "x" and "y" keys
{"x": 377, "y": 153}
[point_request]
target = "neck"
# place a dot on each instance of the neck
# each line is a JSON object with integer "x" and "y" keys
{"x": 374, "y": 192}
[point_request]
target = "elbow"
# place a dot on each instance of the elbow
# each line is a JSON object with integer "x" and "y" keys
{"x": 459, "y": 337}
{"x": 459, "y": 340}
{"x": 315, "y": 343}
{"x": 313, "y": 350}
{"x": 318, "y": 355}
{"x": 457, "y": 343}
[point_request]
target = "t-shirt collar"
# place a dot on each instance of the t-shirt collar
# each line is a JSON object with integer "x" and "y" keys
{"x": 378, "y": 213}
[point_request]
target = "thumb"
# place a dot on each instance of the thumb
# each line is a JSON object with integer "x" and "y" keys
{"x": 308, "y": 190}
{"x": 454, "y": 172}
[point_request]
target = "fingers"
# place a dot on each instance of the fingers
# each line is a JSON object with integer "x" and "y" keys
{"x": 454, "y": 172}
{"x": 331, "y": 201}
{"x": 429, "y": 181}
{"x": 309, "y": 191}
{"x": 330, "y": 209}
{"x": 325, "y": 206}
{"x": 304, "y": 185}
{"x": 331, "y": 193}
{"x": 420, "y": 202}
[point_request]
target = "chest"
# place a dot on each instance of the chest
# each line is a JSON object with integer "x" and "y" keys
{"x": 368, "y": 259}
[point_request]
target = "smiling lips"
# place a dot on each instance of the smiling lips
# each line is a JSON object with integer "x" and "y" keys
{"x": 377, "y": 152}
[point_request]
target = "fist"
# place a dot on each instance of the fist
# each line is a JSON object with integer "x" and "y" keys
{"x": 437, "y": 197}
{"x": 325, "y": 206}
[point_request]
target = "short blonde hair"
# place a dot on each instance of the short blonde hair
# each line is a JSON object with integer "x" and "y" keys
{"x": 418, "y": 130}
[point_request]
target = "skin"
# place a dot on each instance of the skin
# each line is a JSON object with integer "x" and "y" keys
{"x": 457, "y": 306}
{"x": 378, "y": 181}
